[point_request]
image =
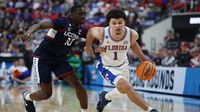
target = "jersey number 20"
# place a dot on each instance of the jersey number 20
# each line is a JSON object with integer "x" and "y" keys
{"x": 69, "y": 41}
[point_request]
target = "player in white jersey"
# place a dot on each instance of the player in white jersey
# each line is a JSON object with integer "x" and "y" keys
{"x": 115, "y": 40}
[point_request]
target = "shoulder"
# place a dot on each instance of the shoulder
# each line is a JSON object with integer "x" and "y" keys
{"x": 83, "y": 28}
{"x": 84, "y": 31}
{"x": 95, "y": 31}
{"x": 134, "y": 34}
{"x": 61, "y": 21}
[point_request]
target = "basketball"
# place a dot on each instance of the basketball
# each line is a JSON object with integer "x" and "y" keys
{"x": 145, "y": 70}
{"x": 16, "y": 73}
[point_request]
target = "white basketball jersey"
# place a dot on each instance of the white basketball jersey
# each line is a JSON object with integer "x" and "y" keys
{"x": 116, "y": 50}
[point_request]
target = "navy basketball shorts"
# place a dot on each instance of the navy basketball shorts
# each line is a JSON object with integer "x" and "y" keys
{"x": 42, "y": 69}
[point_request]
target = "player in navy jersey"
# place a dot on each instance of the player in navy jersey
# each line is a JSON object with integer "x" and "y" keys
{"x": 51, "y": 54}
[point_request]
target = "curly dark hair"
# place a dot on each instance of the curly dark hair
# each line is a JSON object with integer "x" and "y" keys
{"x": 116, "y": 14}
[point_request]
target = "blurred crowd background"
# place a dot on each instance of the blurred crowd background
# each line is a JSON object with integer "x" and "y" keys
{"x": 16, "y": 16}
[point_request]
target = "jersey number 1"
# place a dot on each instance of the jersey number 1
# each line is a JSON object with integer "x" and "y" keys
{"x": 115, "y": 56}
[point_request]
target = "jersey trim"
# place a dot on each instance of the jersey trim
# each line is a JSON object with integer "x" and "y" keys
{"x": 103, "y": 36}
{"x": 100, "y": 60}
{"x": 52, "y": 33}
{"x": 131, "y": 38}
{"x": 109, "y": 33}
{"x": 36, "y": 69}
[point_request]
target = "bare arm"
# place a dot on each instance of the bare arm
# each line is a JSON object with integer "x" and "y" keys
{"x": 21, "y": 81}
{"x": 89, "y": 41}
{"x": 136, "y": 48}
{"x": 45, "y": 24}
{"x": 93, "y": 33}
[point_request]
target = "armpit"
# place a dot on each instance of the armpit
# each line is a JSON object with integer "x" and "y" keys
{"x": 134, "y": 36}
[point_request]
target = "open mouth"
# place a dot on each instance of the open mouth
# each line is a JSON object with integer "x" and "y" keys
{"x": 118, "y": 30}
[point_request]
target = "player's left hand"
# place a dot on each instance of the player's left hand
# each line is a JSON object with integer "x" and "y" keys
{"x": 90, "y": 51}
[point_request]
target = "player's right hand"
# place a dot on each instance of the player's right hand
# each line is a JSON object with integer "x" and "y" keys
{"x": 100, "y": 50}
{"x": 90, "y": 51}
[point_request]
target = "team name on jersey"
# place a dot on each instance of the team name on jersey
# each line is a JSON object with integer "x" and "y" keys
{"x": 116, "y": 47}
{"x": 71, "y": 35}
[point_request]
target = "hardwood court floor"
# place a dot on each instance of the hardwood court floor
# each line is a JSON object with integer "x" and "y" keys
{"x": 64, "y": 100}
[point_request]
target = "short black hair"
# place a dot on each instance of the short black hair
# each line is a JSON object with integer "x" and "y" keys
{"x": 116, "y": 14}
{"x": 75, "y": 7}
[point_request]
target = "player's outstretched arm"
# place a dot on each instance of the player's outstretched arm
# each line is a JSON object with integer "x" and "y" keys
{"x": 45, "y": 24}
{"x": 89, "y": 41}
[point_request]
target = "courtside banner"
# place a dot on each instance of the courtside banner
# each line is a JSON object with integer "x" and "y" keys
{"x": 192, "y": 82}
{"x": 167, "y": 80}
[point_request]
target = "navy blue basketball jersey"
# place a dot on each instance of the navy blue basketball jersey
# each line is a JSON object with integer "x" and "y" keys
{"x": 60, "y": 38}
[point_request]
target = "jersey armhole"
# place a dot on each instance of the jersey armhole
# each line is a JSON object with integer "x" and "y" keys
{"x": 65, "y": 26}
{"x": 131, "y": 37}
{"x": 103, "y": 35}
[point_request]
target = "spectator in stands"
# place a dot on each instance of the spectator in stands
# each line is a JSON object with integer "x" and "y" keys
{"x": 169, "y": 59}
{"x": 183, "y": 57}
{"x": 159, "y": 56}
{"x": 135, "y": 23}
{"x": 65, "y": 7}
{"x": 3, "y": 72}
{"x": 76, "y": 62}
{"x": 19, "y": 72}
{"x": 171, "y": 40}
{"x": 197, "y": 40}
{"x": 5, "y": 53}
{"x": 169, "y": 36}
{"x": 195, "y": 60}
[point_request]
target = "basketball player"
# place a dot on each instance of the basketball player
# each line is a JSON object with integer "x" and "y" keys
{"x": 113, "y": 65}
{"x": 51, "y": 56}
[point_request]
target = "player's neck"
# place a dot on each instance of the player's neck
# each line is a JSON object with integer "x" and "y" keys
{"x": 74, "y": 23}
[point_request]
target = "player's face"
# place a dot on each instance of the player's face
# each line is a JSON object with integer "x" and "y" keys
{"x": 117, "y": 24}
{"x": 79, "y": 16}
